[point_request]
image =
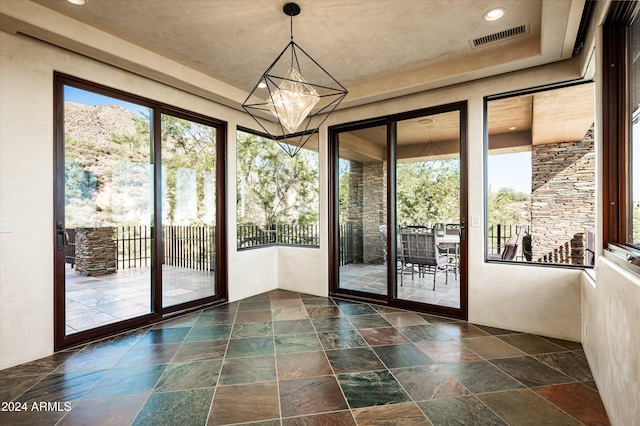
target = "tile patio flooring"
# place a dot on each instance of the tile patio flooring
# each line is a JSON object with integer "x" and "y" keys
{"x": 105, "y": 299}
{"x": 373, "y": 279}
{"x": 285, "y": 358}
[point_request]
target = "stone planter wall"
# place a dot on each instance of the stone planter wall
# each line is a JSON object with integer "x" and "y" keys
{"x": 96, "y": 251}
{"x": 562, "y": 200}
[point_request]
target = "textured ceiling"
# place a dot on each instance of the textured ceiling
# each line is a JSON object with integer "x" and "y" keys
{"x": 378, "y": 49}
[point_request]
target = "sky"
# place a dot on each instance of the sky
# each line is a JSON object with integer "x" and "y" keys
{"x": 511, "y": 170}
{"x": 84, "y": 97}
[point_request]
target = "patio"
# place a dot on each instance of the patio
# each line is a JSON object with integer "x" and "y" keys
{"x": 93, "y": 301}
{"x": 372, "y": 278}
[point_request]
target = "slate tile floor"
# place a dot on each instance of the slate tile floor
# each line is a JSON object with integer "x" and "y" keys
{"x": 284, "y": 358}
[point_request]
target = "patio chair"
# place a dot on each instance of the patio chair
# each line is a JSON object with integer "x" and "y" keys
{"x": 511, "y": 248}
{"x": 449, "y": 232}
{"x": 420, "y": 251}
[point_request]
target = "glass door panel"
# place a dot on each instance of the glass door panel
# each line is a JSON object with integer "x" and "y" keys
{"x": 362, "y": 211}
{"x": 428, "y": 209}
{"x": 188, "y": 210}
{"x": 107, "y": 227}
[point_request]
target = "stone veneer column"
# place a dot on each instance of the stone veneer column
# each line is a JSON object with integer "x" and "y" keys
{"x": 562, "y": 200}
{"x": 354, "y": 207}
{"x": 374, "y": 201}
{"x": 96, "y": 251}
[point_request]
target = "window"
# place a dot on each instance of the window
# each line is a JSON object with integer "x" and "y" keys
{"x": 621, "y": 134}
{"x": 278, "y": 195}
{"x": 541, "y": 177}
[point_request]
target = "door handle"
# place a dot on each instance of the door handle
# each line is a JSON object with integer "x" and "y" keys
{"x": 463, "y": 230}
{"x": 63, "y": 236}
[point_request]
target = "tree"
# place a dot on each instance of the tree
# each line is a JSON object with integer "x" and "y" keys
{"x": 508, "y": 207}
{"x": 273, "y": 187}
{"x": 428, "y": 192}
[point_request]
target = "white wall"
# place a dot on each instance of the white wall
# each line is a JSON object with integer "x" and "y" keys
{"x": 538, "y": 300}
{"x": 26, "y": 189}
{"x": 611, "y": 338}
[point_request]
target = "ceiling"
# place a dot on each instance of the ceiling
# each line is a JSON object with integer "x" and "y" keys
{"x": 377, "y": 49}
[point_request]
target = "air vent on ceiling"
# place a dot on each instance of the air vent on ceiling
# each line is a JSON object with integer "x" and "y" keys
{"x": 520, "y": 30}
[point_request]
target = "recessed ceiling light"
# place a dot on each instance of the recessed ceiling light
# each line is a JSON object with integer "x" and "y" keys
{"x": 494, "y": 14}
{"x": 79, "y": 2}
{"x": 512, "y": 128}
{"x": 425, "y": 121}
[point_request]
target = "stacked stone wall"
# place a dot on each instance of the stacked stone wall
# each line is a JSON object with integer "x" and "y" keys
{"x": 562, "y": 200}
{"x": 96, "y": 251}
{"x": 374, "y": 200}
{"x": 354, "y": 207}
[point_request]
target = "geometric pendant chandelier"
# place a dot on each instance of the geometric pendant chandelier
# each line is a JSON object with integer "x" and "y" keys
{"x": 294, "y": 96}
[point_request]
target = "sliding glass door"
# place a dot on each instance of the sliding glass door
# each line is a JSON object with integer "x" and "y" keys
{"x": 137, "y": 211}
{"x": 399, "y": 210}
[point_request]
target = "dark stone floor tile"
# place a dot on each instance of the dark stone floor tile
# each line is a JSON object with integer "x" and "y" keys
{"x": 434, "y": 319}
{"x": 460, "y": 330}
{"x": 341, "y": 418}
{"x": 199, "y": 351}
{"x": 313, "y": 395}
{"x": 591, "y": 384}
{"x": 567, "y": 344}
{"x": 215, "y": 318}
{"x": 331, "y": 324}
{"x": 341, "y": 339}
{"x": 124, "y": 340}
{"x": 252, "y": 329}
{"x": 189, "y": 375}
{"x": 568, "y": 363}
{"x": 300, "y": 365}
{"x": 292, "y": 327}
{"x": 383, "y": 336}
{"x": 127, "y": 381}
{"x": 183, "y": 321}
{"x": 447, "y": 351}
{"x": 406, "y": 355}
{"x": 121, "y": 410}
{"x": 262, "y": 297}
{"x": 578, "y": 400}
{"x": 12, "y": 387}
{"x": 251, "y": 346}
{"x": 404, "y": 414}
{"x": 324, "y": 311}
{"x": 317, "y": 301}
{"x": 481, "y": 376}
{"x": 494, "y": 331}
{"x": 369, "y": 388}
{"x": 93, "y": 359}
{"x": 531, "y": 344}
{"x": 284, "y": 294}
{"x": 420, "y": 333}
{"x": 34, "y": 368}
{"x": 354, "y": 360}
{"x": 148, "y": 354}
{"x": 461, "y": 411}
{"x": 226, "y": 307}
{"x": 214, "y": 332}
{"x": 524, "y": 407}
{"x": 62, "y": 387}
{"x": 429, "y": 382}
{"x": 188, "y": 407}
{"x": 164, "y": 335}
{"x": 491, "y": 347}
{"x": 258, "y": 305}
{"x": 237, "y": 371}
{"x": 253, "y": 316}
{"x": 369, "y": 321}
{"x": 286, "y": 303}
{"x": 291, "y": 343}
{"x": 356, "y": 309}
{"x": 531, "y": 372}
{"x": 244, "y": 403}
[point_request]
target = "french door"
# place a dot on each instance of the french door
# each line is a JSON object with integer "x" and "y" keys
{"x": 399, "y": 191}
{"x": 138, "y": 230}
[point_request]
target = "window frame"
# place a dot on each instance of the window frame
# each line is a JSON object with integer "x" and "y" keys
{"x": 617, "y": 115}
{"x": 486, "y": 100}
